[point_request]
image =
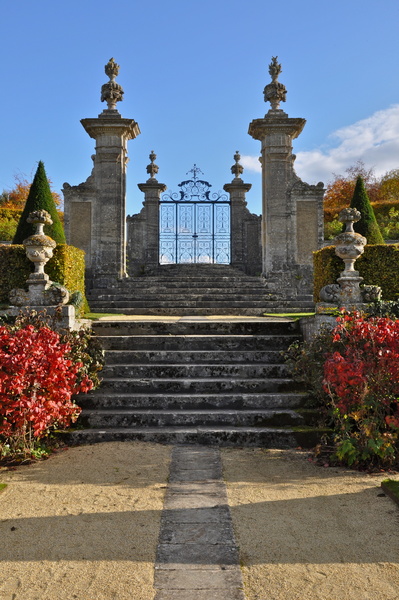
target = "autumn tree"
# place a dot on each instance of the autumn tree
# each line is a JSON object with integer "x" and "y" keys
{"x": 389, "y": 186}
{"x": 340, "y": 190}
{"x": 15, "y": 199}
{"x": 367, "y": 226}
{"x": 40, "y": 198}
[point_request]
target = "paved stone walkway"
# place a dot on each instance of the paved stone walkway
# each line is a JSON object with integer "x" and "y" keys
{"x": 197, "y": 556}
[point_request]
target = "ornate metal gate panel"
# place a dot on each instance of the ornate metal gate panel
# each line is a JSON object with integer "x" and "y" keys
{"x": 194, "y": 224}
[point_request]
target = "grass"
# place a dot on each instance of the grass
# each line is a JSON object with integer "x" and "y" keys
{"x": 2, "y": 486}
{"x": 94, "y": 316}
{"x": 295, "y": 315}
{"x": 391, "y": 488}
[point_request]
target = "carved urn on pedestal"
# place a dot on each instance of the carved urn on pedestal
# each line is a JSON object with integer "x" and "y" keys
{"x": 39, "y": 249}
{"x": 349, "y": 245}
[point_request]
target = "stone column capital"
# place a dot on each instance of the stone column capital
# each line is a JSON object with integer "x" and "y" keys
{"x": 237, "y": 186}
{"x": 274, "y": 124}
{"x": 152, "y": 188}
{"x": 111, "y": 125}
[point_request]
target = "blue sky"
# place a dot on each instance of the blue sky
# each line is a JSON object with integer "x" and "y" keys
{"x": 193, "y": 75}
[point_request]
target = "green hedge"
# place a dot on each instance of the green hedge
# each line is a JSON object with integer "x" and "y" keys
{"x": 66, "y": 267}
{"x": 9, "y": 218}
{"x": 379, "y": 265}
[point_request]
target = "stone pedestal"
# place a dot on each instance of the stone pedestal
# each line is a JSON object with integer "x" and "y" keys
{"x": 238, "y": 207}
{"x": 152, "y": 190}
{"x": 245, "y": 227}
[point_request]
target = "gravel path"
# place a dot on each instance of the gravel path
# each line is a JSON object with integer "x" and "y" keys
{"x": 309, "y": 533}
{"x": 85, "y": 525}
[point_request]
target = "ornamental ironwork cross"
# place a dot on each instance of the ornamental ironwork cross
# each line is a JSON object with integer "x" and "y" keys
{"x": 195, "y": 170}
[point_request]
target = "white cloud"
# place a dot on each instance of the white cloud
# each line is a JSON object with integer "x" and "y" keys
{"x": 251, "y": 163}
{"x": 374, "y": 140}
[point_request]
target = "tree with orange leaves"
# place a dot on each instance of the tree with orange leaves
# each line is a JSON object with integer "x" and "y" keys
{"x": 15, "y": 198}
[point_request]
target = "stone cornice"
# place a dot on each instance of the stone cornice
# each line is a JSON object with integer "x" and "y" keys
{"x": 145, "y": 187}
{"x": 239, "y": 185}
{"x": 111, "y": 126}
{"x": 270, "y": 125}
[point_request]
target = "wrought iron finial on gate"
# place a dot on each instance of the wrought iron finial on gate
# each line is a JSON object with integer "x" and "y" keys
{"x": 194, "y": 171}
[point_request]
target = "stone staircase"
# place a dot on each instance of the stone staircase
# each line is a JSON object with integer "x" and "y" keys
{"x": 199, "y": 289}
{"x": 195, "y": 380}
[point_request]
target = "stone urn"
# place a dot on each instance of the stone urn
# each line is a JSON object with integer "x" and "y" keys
{"x": 349, "y": 245}
{"x": 39, "y": 247}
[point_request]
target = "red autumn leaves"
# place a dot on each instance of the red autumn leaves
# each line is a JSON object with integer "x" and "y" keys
{"x": 366, "y": 368}
{"x": 38, "y": 378}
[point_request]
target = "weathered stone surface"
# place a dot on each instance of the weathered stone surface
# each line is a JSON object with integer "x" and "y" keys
{"x": 211, "y": 579}
{"x": 215, "y": 514}
{"x": 193, "y": 594}
{"x": 197, "y": 556}
{"x": 193, "y": 533}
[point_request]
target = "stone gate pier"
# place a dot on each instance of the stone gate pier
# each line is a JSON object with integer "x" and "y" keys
{"x": 292, "y": 211}
{"x": 95, "y": 211}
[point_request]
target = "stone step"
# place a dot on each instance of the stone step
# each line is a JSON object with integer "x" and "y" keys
{"x": 166, "y": 311}
{"x": 115, "y": 357}
{"x": 103, "y": 418}
{"x": 266, "y": 437}
{"x": 193, "y": 371}
{"x": 212, "y": 385}
{"x": 196, "y": 380}
{"x": 226, "y": 343}
{"x": 196, "y": 401}
{"x": 178, "y": 304}
{"x": 166, "y": 296}
{"x": 206, "y": 327}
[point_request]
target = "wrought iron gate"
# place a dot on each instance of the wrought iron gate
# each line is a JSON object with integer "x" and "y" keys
{"x": 194, "y": 224}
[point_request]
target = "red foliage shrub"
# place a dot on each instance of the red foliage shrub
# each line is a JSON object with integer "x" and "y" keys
{"x": 361, "y": 379}
{"x": 37, "y": 381}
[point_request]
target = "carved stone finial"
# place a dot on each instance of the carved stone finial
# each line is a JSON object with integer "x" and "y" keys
{"x": 111, "y": 92}
{"x": 237, "y": 169}
{"x": 275, "y": 92}
{"x": 274, "y": 69}
{"x": 152, "y": 168}
{"x": 111, "y": 69}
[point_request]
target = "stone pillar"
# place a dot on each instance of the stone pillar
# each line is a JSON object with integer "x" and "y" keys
{"x": 237, "y": 190}
{"x": 152, "y": 190}
{"x": 282, "y": 194}
{"x": 101, "y": 200}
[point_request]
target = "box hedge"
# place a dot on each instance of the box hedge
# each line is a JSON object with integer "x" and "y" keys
{"x": 379, "y": 265}
{"x": 66, "y": 267}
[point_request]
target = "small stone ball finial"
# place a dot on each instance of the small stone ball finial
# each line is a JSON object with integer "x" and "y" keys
{"x": 152, "y": 168}
{"x": 237, "y": 169}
